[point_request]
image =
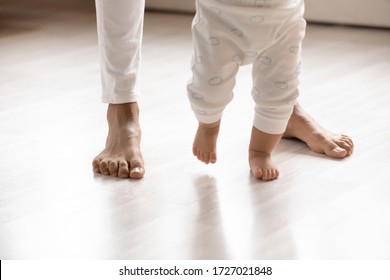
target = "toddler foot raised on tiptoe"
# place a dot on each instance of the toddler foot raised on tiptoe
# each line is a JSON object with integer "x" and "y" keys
{"x": 260, "y": 149}
{"x": 205, "y": 143}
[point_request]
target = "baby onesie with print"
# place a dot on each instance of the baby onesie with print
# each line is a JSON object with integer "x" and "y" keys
{"x": 229, "y": 33}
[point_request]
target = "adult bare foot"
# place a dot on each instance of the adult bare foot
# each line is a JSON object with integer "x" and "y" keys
{"x": 122, "y": 155}
{"x": 320, "y": 140}
{"x": 205, "y": 143}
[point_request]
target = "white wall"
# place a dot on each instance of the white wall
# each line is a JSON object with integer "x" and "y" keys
{"x": 359, "y": 12}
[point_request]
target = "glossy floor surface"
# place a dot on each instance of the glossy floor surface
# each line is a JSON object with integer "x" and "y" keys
{"x": 52, "y": 124}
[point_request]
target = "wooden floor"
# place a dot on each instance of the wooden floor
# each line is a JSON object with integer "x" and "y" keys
{"x": 52, "y": 124}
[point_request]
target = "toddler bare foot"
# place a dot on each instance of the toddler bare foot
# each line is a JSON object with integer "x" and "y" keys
{"x": 205, "y": 143}
{"x": 122, "y": 155}
{"x": 319, "y": 140}
{"x": 262, "y": 166}
{"x": 260, "y": 148}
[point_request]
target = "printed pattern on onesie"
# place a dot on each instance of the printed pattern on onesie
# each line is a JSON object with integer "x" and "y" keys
{"x": 226, "y": 37}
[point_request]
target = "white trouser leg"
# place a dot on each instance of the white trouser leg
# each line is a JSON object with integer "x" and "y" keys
{"x": 120, "y": 26}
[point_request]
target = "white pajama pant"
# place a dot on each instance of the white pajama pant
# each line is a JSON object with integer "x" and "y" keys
{"x": 120, "y": 27}
{"x": 230, "y": 33}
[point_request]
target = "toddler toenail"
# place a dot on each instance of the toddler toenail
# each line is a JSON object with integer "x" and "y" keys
{"x": 136, "y": 170}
